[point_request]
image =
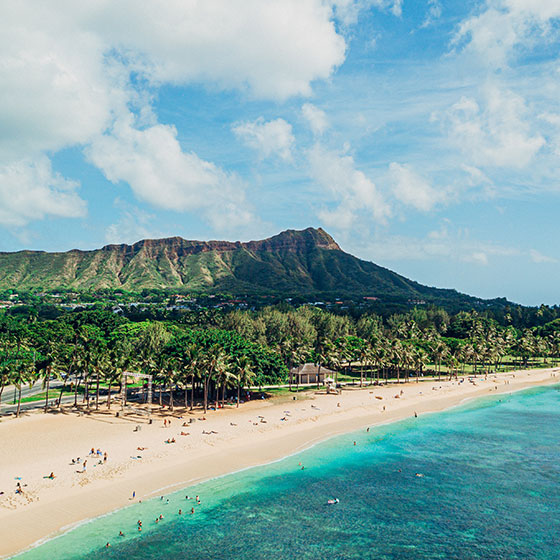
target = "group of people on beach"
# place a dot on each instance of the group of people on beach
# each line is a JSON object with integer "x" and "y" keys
{"x": 101, "y": 456}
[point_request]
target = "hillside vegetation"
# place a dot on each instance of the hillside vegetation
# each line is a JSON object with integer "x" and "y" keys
{"x": 291, "y": 263}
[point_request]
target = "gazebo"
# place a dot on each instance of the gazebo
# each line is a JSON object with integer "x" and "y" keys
{"x": 309, "y": 373}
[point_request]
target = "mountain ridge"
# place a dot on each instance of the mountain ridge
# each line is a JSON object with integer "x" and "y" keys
{"x": 294, "y": 262}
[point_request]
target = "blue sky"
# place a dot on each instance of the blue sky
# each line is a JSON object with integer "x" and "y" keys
{"x": 423, "y": 135}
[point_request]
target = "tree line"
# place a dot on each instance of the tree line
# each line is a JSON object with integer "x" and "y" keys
{"x": 210, "y": 358}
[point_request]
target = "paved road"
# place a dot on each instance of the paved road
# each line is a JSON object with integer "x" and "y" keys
{"x": 10, "y": 392}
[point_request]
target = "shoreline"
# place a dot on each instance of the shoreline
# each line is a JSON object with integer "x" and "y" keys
{"x": 58, "y": 506}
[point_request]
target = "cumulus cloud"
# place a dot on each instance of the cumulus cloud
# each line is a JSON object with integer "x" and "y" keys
{"x": 275, "y": 48}
{"x": 412, "y": 189}
{"x": 316, "y": 118}
{"x": 552, "y": 124}
{"x": 268, "y": 138}
{"x": 351, "y": 190}
{"x": 495, "y": 32}
{"x": 30, "y": 190}
{"x": 159, "y": 172}
{"x": 496, "y": 132}
{"x": 66, "y": 68}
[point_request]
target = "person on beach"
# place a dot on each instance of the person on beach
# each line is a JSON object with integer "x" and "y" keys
{"x": 105, "y": 457}
{"x": 133, "y": 494}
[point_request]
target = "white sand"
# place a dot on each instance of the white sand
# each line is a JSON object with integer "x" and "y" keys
{"x": 36, "y": 445}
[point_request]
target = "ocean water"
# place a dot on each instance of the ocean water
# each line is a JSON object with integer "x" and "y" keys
{"x": 490, "y": 490}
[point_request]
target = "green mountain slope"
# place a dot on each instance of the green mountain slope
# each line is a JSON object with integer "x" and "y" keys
{"x": 292, "y": 262}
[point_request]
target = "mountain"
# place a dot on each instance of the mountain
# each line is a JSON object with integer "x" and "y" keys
{"x": 291, "y": 263}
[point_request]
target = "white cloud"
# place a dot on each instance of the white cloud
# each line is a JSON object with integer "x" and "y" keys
{"x": 478, "y": 257}
{"x": 444, "y": 243}
{"x": 132, "y": 225}
{"x": 537, "y": 257}
{"x": 29, "y": 190}
{"x": 352, "y": 191}
{"x": 396, "y": 9}
{"x": 498, "y": 133}
{"x": 57, "y": 89}
{"x": 494, "y": 34}
{"x": 152, "y": 162}
{"x": 316, "y": 118}
{"x": 433, "y": 14}
{"x": 269, "y": 138}
{"x": 412, "y": 189}
{"x": 275, "y": 48}
{"x": 552, "y": 123}
{"x": 348, "y": 11}
{"x": 66, "y": 67}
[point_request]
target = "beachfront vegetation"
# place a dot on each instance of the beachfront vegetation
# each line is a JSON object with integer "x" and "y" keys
{"x": 207, "y": 359}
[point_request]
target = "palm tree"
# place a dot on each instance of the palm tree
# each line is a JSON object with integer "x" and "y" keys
{"x": 320, "y": 356}
{"x": 22, "y": 372}
{"x": 212, "y": 361}
{"x": 245, "y": 374}
{"x": 45, "y": 364}
{"x": 223, "y": 375}
{"x": 189, "y": 361}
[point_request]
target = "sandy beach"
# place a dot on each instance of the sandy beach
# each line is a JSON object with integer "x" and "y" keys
{"x": 140, "y": 460}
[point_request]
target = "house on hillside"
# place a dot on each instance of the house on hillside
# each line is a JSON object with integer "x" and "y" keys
{"x": 308, "y": 373}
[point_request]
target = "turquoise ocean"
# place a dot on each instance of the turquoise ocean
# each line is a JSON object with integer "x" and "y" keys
{"x": 490, "y": 489}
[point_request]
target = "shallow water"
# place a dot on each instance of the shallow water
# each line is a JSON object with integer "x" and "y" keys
{"x": 489, "y": 490}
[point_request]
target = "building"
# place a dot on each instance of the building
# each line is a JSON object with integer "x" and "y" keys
{"x": 308, "y": 373}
